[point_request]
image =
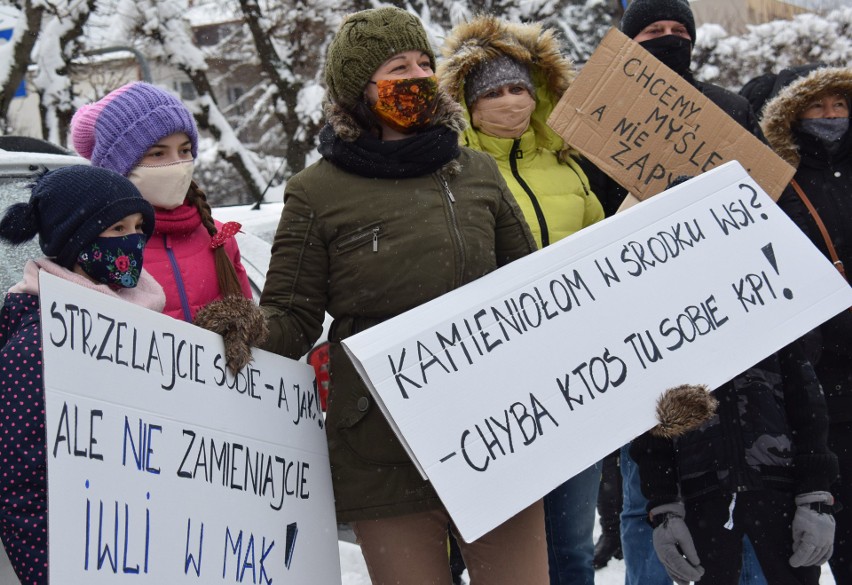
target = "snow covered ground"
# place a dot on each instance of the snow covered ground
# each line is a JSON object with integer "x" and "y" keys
{"x": 355, "y": 572}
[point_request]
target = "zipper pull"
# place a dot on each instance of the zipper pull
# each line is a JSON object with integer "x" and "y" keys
{"x": 447, "y": 189}
{"x": 375, "y": 239}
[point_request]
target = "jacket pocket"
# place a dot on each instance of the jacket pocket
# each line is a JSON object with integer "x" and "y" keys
{"x": 368, "y": 235}
{"x": 355, "y": 418}
{"x": 366, "y": 433}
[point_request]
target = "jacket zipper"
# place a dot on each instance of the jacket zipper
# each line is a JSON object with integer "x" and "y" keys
{"x": 373, "y": 233}
{"x": 454, "y": 225}
{"x": 732, "y": 427}
{"x": 514, "y": 155}
{"x": 184, "y": 301}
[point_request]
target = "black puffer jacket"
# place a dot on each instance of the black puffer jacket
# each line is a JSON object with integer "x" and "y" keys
{"x": 826, "y": 179}
{"x": 769, "y": 432}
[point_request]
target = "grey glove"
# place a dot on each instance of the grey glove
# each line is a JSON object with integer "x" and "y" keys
{"x": 813, "y": 529}
{"x": 674, "y": 545}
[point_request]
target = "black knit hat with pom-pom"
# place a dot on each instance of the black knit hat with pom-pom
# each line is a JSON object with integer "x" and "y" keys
{"x": 70, "y": 207}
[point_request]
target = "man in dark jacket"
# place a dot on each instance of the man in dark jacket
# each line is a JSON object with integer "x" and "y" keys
{"x": 758, "y": 466}
{"x": 666, "y": 29}
{"x": 807, "y": 124}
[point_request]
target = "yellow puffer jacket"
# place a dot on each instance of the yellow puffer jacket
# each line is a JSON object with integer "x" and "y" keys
{"x": 554, "y": 195}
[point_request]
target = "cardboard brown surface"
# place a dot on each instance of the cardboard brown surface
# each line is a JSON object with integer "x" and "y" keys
{"x": 644, "y": 125}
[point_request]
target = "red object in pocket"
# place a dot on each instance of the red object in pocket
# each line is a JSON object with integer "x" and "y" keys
{"x": 318, "y": 358}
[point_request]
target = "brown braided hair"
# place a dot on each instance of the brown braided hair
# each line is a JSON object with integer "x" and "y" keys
{"x": 226, "y": 274}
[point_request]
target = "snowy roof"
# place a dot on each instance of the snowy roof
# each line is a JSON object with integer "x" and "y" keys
{"x": 204, "y": 12}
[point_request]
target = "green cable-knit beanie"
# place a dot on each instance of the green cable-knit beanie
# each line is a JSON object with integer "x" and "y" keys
{"x": 364, "y": 41}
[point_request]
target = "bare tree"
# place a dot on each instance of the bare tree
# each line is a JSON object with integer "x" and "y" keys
{"x": 19, "y": 49}
{"x": 305, "y": 26}
{"x": 59, "y": 43}
{"x": 162, "y": 22}
{"x": 731, "y": 60}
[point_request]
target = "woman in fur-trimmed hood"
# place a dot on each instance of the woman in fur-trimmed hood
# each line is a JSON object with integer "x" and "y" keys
{"x": 807, "y": 123}
{"x": 472, "y": 44}
{"x": 394, "y": 214}
{"x": 781, "y": 116}
{"x": 508, "y": 77}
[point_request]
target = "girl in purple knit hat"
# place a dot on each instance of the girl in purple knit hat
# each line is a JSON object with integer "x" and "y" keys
{"x": 149, "y": 136}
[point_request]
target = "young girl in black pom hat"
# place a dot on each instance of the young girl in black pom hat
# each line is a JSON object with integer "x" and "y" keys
{"x": 92, "y": 226}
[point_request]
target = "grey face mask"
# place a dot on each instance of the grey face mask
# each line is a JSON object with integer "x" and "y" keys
{"x": 829, "y": 130}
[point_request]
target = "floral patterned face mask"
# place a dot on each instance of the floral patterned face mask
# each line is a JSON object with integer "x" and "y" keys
{"x": 406, "y": 104}
{"x": 116, "y": 261}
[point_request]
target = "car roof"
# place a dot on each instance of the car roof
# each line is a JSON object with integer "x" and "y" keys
{"x": 25, "y": 164}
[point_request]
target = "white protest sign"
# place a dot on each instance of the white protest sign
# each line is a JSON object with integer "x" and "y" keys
{"x": 163, "y": 467}
{"x": 510, "y": 385}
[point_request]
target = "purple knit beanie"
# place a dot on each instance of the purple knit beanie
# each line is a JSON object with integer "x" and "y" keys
{"x": 129, "y": 121}
{"x": 83, "y": 123}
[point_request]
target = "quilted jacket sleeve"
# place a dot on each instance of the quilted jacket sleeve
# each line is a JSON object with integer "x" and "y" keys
{"x": 655, "y": 457}
{"x": 295, "y": 293}
{"x": 815, "y": 466}
{"x": 513, "y": 237}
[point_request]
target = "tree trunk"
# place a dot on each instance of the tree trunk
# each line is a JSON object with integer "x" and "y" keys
{"x": 57, "y": 110}
{"x": 20, "y": 60}
{"x": 234, "y": 157}
{"x": 287, "y": 92}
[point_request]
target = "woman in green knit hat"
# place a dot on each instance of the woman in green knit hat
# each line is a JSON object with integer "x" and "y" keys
{"x": 394, "y": 214}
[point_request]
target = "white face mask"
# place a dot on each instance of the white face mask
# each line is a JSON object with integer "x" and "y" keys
{"x": 163, "y": 186}
{"x": 507, "y": 116}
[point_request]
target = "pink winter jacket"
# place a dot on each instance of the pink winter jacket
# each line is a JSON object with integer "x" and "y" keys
{"x": 179, "y": 257}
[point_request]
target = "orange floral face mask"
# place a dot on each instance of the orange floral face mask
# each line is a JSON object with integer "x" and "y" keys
{"x": 406, "y": 104}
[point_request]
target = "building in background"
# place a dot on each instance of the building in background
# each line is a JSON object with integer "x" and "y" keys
{"x": 734, "y": 15}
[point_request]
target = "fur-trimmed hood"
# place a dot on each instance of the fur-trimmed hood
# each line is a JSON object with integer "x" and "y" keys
{"x": 447, "y": 113}
{"x": 485, "y": 37}
{"x": 782, "y": 111}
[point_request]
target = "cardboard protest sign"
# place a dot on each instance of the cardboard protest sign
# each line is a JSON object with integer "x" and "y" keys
{"x": 505, "y": 388}
{"x": 164, "y": 467}
{"x": 645, "y": 125}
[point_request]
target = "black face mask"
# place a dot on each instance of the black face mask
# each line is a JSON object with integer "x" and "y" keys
{"x": 674, "y": 51}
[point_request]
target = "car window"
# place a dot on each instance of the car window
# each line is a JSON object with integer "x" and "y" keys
{"x": 14, "y": 189}
{"x": 22, "y": 159}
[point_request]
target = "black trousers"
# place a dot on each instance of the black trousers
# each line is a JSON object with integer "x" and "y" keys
{"x": 840, "y": 442}
{"x": 766, "y": 517}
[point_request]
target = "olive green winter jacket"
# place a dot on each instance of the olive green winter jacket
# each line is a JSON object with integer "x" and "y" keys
{"x": 366, "y": 250}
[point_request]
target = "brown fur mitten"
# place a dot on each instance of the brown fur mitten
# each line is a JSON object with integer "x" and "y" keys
{"x": 240, "y": 322}
{"x": 683, "y": 409}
